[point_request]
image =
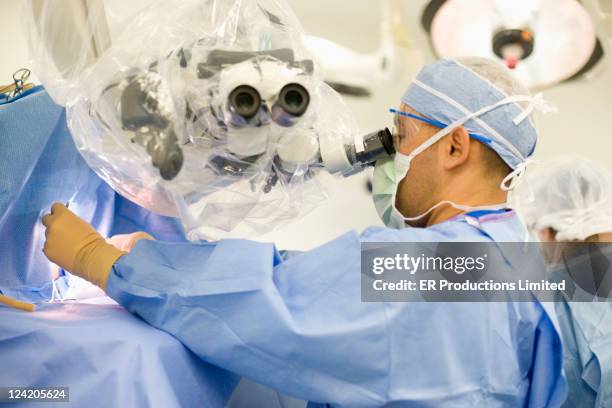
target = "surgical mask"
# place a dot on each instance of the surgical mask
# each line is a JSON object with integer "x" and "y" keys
{"x": 387, "y": 176}
{"x": 389, "y": 173}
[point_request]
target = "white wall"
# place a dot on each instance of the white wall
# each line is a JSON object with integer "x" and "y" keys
{"x": 583, "y": 126}
{"x": 13, "y": 51}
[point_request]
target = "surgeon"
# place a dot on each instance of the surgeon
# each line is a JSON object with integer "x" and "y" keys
{"x": 569, "y": 206}
{"x": 297, "y": 324}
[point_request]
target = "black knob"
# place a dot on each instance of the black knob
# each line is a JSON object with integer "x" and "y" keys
{"x": 172, "y": 164}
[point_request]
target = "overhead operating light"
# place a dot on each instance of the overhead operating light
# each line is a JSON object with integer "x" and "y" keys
{"x": 544, "y": 41}
{"x": 353, "y": 73}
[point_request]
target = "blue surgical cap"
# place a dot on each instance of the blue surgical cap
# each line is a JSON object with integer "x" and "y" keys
{"x": 447, "y": 91}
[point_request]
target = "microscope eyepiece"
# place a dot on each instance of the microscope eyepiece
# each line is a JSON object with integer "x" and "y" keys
{"x": 374, "y": 146}
{"x": 245, "y": 101}
{"x": 294, "y": 99}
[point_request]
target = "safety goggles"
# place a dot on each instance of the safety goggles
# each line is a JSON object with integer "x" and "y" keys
{"x": 440, "y": 125}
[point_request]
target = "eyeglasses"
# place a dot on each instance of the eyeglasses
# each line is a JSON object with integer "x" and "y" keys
{"x": 441, "y": 125}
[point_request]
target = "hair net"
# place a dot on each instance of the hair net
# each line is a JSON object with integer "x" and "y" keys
{"x": 571, "y": 195}
{"x": 209, "y": 110}
{"x": 449, "y": 90}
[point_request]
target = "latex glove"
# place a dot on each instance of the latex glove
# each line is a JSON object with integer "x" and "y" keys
{"x": 126, "y": 242}
{"x": 75, "y": 246}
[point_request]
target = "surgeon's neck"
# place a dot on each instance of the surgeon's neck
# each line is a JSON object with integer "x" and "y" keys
{"x": 477, "y": 198}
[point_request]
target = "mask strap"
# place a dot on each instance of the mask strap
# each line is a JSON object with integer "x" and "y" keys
{"x": 461, "y": 207}
{"x": 537, "y": 102}
{"x": 439, "y": 135}
{"x": 514, "y": 179}
{"x": 504, "y": 101}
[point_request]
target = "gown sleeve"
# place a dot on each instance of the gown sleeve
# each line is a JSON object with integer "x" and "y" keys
{"x": 297, "y": 324}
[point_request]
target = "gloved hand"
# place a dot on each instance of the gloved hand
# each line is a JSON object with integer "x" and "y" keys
{"x": 126, "y": 242}
{"x": 74, "y": 245}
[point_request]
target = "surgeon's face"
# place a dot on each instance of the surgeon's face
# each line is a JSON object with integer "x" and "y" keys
{"x": 547, "y": 235}
{"x": 417, "y": 191}
{"x": 552, "y": 253}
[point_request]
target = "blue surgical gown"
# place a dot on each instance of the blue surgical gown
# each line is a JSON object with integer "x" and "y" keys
{"x": 586, "y": 328}
{"x": 587, "y": 337}
{"x": 297, "y": 324}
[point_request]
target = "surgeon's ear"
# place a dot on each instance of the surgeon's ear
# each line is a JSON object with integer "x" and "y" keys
{"x": 456, "y": 148}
